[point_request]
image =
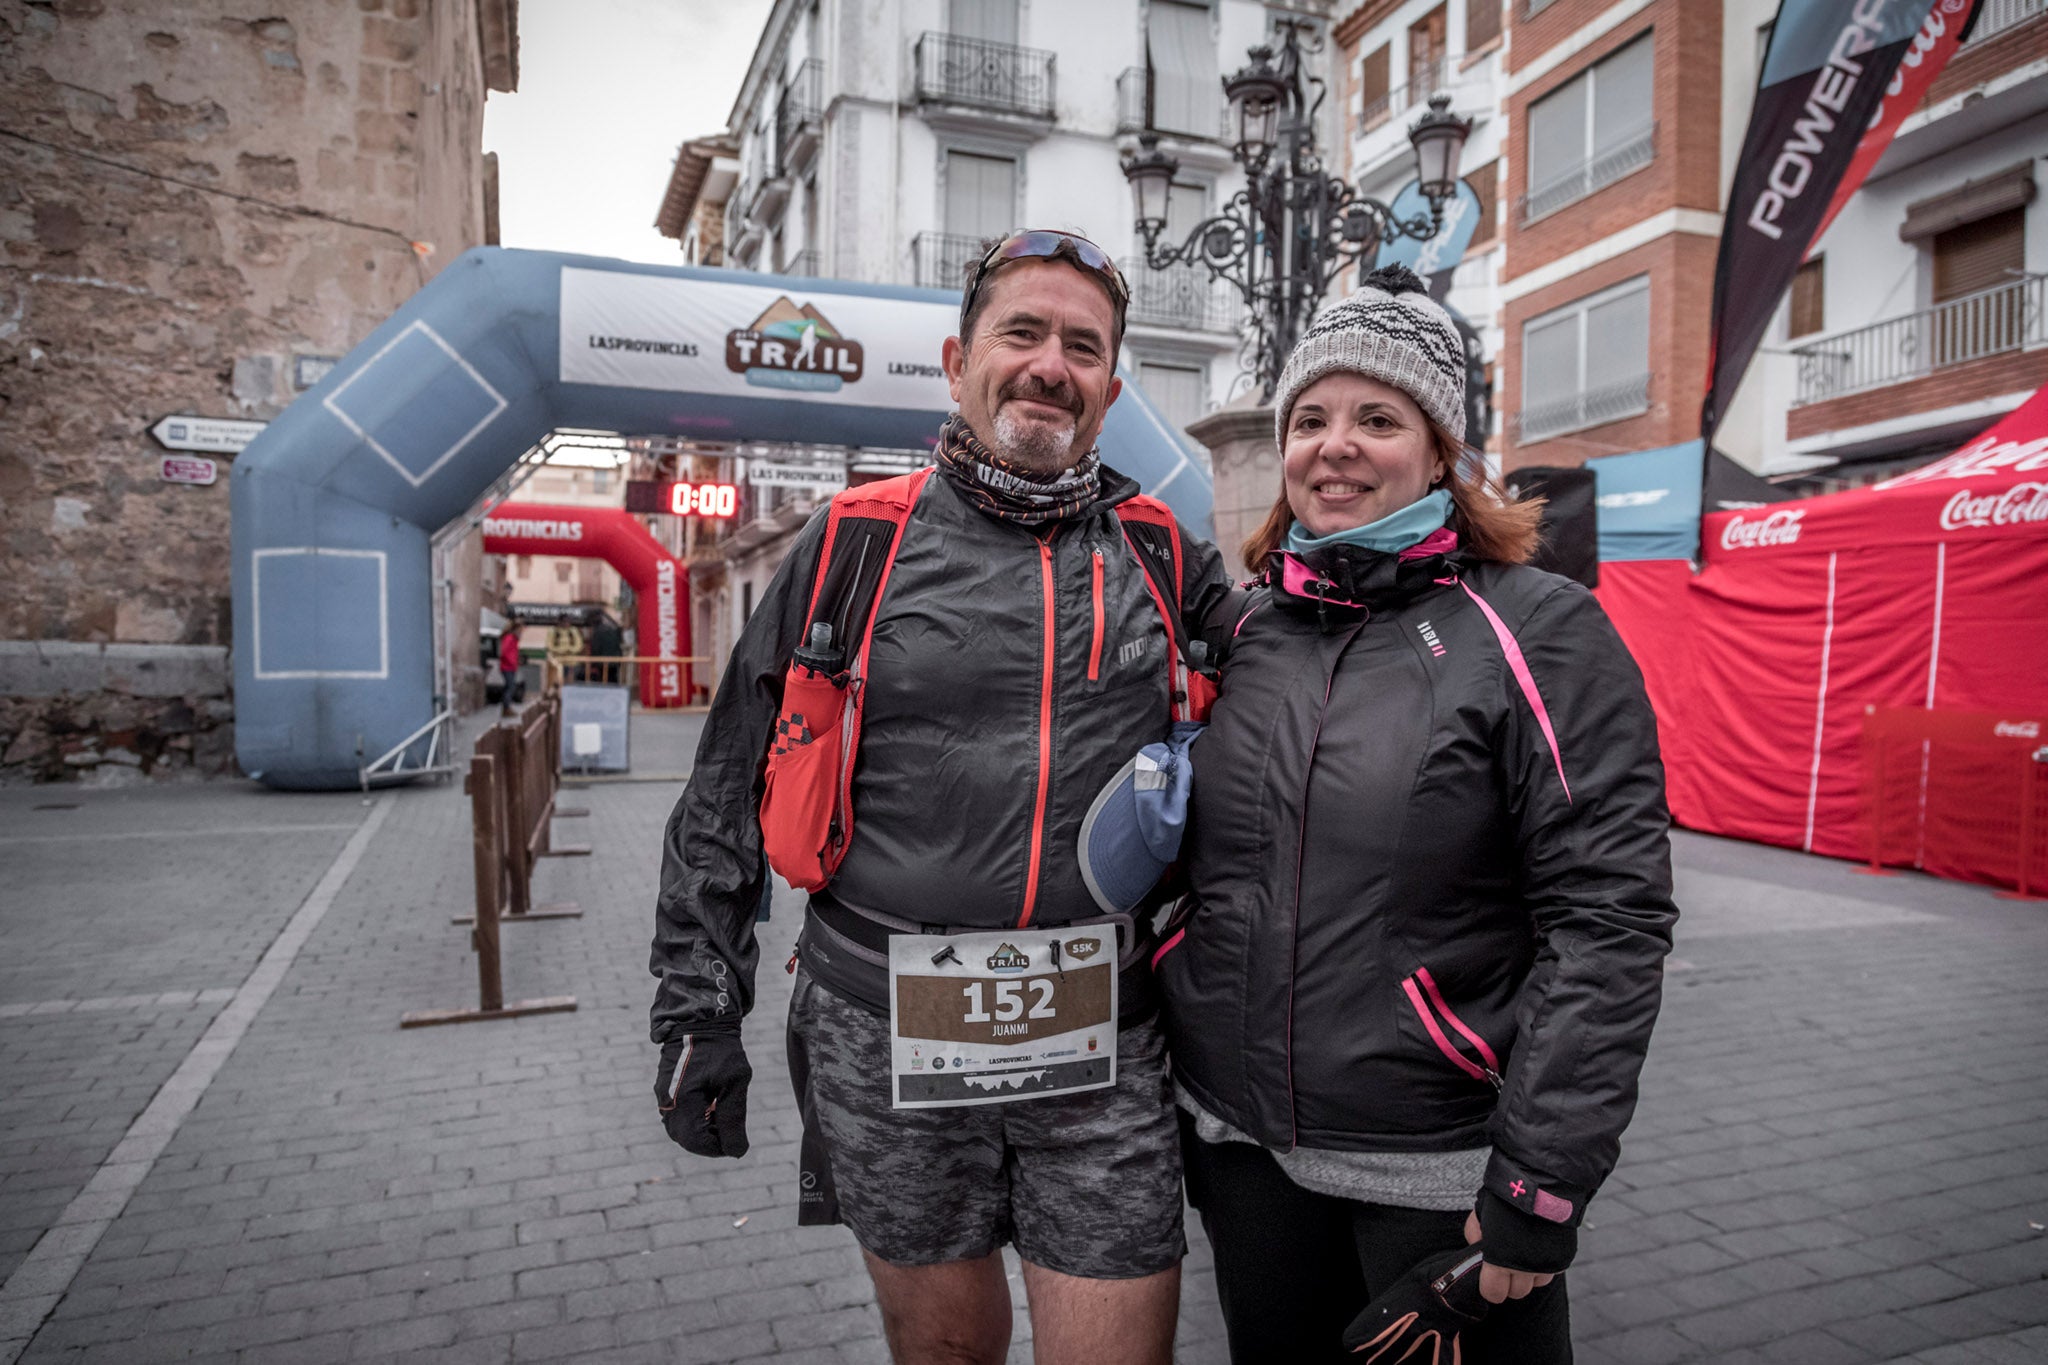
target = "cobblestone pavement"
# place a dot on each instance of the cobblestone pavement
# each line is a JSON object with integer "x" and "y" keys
{"x": 1841, "y": 1155}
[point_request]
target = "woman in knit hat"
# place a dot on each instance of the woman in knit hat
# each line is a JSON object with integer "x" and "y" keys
{"x": 1413, "y": 985}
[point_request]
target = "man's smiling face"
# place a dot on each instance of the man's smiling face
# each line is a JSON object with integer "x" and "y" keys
{"x": 1038, "y": 371}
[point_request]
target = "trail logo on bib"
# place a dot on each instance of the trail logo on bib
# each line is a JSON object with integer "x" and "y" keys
{"x": 1008, "y": 959}
{"x": 788, "y": 347}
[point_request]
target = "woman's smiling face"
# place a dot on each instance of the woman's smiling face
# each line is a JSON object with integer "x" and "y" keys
{"x": 1357, "y": 450}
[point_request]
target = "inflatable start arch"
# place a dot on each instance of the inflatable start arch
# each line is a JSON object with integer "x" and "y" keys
{"x": 336, "y": 503}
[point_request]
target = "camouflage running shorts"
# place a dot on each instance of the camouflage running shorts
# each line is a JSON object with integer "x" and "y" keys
{"x": 1086, "y": 1184}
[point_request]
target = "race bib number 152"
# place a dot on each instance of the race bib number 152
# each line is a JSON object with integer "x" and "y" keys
{"x": 984, "y": 1018}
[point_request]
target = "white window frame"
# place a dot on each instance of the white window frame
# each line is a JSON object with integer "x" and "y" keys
{"x": 1618, "y": 393}
{"x": 1593, "y": 172}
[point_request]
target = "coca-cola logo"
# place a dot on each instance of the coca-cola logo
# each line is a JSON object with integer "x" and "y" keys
{"x": 2014, "y": 506}
{"x": 2017, "y": 729}
{"x": 1778, "y": 528}
{"x": 1986, "y": 455}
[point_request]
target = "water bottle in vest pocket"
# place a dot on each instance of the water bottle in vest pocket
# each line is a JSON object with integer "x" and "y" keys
{"x": 800, "y": 825}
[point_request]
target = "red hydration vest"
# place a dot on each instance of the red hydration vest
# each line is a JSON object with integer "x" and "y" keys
{"x": 807, "y": 808}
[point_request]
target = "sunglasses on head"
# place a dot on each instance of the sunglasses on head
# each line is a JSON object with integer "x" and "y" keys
{"x": 1045, "y": 244}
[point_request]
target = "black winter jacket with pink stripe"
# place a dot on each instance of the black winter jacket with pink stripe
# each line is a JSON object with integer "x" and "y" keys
{"x": 1431, "y": 876}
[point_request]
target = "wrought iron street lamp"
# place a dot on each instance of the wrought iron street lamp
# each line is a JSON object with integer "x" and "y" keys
{"x": 1282, "y": 239}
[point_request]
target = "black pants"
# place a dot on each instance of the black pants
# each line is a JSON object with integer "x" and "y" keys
{"x": 1293, "y": 1267}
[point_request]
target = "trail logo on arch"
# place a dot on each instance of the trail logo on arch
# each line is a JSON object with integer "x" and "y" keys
{"x": 788, "y": 347}
{"x": 774, "y": 341}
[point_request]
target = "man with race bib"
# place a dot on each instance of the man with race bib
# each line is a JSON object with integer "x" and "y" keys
{"x": 943, "y": 676}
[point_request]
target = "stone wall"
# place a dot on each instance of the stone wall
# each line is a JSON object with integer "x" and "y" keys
{"x": 113, "y": 714}
{"x": 196, "y": 207}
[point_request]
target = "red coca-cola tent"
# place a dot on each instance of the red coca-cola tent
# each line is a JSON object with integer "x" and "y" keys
{"x": 1929, "y": 590}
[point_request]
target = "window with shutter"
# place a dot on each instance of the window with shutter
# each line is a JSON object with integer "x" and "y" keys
{"x": 1485, "y": 182}
{"x": 1979, "y": 255}
{"x": 1181, "y": 59}
{"x": 1426, "y": 44}
{"x": 1591, "y": 131}
{"x": 1482, "y": 23}
{"x": 992, "y": 21}
{"x": 981, "y": 194}
{"x": 1175, "y": 389}
{"x": 1979, "y": 304}
{"x": 1587, "y": 363}
{"x": 1373, "y": 109}
{"x": 1809, "y": 311}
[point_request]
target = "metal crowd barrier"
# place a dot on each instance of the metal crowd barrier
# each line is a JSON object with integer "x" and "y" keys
{"x": 514, "y": 774}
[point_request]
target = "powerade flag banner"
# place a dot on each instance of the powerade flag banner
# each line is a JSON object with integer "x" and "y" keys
{"x": 1824, "y": 76}
{"x": 1948, "y": 23}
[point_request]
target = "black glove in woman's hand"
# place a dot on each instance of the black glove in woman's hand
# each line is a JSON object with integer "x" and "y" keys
{"x": 1420, "y": 1315}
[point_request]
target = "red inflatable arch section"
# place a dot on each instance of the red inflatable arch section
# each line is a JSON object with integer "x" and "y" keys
{"x": 660, "y": 581}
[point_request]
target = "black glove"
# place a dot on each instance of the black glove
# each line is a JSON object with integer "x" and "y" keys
{"x": 701, "y": 1090}
{"x": 1522, "y": 1241}
{"x": 1420, "y": 1315}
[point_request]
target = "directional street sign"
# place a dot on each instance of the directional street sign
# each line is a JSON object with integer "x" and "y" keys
{"x": 224, "y": 435}
{"x": 818, "y": 478}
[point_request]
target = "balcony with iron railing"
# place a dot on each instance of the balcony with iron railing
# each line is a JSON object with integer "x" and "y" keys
{"x": 977, "y": 74}
{"x": 941, "y": 259}
{"x": 1635, "y": 151}
{"x": 1138, "y": 111}
{"x": 1424, "y": 81}
{"x": 1180, "y": 297}
{"x": 799, "y": 118}
{"x": 2005, "y": 317}
{"x": 1589, "y": 408}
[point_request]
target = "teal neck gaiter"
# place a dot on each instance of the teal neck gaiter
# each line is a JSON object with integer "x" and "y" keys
{"x": 1391, "y": 534}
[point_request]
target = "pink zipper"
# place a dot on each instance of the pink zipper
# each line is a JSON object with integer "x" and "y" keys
{"x": 1490, "y": 1071}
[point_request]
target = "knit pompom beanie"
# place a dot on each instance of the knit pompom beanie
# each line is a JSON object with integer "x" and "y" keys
{"x": 1392, "y": 331}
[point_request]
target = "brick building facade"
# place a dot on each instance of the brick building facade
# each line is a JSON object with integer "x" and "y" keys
{"x": 1609, "y": 134}
{"x": 197, "y": 212}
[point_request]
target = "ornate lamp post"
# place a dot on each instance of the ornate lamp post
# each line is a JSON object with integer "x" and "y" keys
{"x": 1283, "y": 238}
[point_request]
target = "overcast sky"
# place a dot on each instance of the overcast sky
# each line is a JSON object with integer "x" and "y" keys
{"x": 607, "y": 91}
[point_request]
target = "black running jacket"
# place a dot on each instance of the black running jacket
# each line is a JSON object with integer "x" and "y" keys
{"x": 1430, "y": 873}
{"x": 1014, "y": 671}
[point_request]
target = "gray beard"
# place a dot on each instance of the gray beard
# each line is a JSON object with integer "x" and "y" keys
{"x": 1034, "y": 446}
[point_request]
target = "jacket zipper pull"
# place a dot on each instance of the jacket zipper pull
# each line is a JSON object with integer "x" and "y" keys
{"x": 1054, "y": 954}
{"x": 790, "y": 966}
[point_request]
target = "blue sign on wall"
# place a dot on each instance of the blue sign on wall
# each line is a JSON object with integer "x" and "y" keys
{"x": 1447, "y": 248}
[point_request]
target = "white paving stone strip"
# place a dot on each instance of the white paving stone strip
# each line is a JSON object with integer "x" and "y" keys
{"x": 222, "y": 832}
{"x": 100, "y": 1004}
{"x": 40, "y": 1281}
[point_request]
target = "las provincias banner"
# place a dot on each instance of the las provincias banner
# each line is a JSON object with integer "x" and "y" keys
{"x": 1825, "y": 76}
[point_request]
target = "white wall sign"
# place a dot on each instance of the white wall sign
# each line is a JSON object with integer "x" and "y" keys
{"x": 747, "y": 341}
{"x": 224, "y": 435}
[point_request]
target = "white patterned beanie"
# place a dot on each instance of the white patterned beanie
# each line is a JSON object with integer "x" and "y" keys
{"x": 1392, "y": 331}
